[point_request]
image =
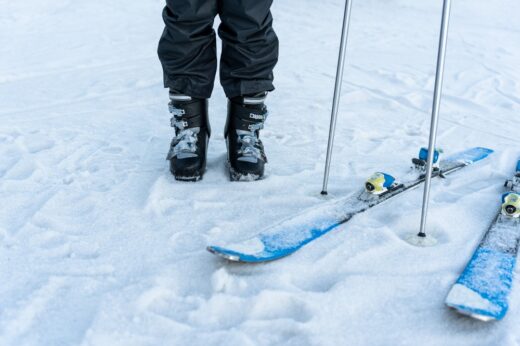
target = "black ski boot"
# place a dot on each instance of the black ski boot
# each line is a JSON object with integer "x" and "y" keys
{"x": 246, "y": 156}
{"x": 188, "y": 149}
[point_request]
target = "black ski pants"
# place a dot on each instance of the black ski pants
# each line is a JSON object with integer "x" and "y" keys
{"x": 187, "y": 48}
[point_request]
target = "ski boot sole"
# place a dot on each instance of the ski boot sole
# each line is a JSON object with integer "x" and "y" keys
{"x": 237, "y": 176}
{"x": 193, "y": 177}
{"x": 188, "y": 179}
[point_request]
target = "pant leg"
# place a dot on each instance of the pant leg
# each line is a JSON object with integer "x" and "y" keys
{"x": 249, "y": 46}
{"x": 187, "y": 48}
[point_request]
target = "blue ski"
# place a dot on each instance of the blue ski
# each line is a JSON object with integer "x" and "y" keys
{"x": 482, "y": 291}
{"x": 291, "y": 234}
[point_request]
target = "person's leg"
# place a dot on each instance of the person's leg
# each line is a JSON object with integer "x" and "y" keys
{"x": 246, "y": 155}
{"x": 189, "y": 147}
{"x": 187, "y": 51}
{"x": 249, "y": 47}
{"x": 187, "y": 48}
{"x": 249, "y": 54}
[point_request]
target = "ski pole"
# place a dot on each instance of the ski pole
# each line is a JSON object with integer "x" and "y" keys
{"x": 441, "y": 57}
{"x": 337, "y": 92}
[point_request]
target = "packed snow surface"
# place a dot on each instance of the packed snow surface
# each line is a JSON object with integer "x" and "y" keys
{"x": 99, "y": 245}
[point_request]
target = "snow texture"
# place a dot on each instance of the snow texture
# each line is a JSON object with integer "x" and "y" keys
{"x": 99, "y": 245}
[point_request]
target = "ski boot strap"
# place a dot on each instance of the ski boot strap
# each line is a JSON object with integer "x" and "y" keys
{"x": 187, "y": 112}
{"x": 248, "y": 113}
{"x": 176, "y": 97}
{"x": 251, "y": 99}
{"x": 247, "y": 119}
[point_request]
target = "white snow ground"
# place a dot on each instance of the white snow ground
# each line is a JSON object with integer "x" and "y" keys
{"x": 100, "y": 246}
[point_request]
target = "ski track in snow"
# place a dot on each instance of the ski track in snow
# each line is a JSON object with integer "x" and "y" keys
{"x": 100, "y": 246}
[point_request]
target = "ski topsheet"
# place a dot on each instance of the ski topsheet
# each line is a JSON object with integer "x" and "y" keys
{"x": 482, "y": 290}
{"x": 291, "y": 234}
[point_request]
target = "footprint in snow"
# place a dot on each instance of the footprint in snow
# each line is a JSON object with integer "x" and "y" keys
{"x": 22, "y": 170}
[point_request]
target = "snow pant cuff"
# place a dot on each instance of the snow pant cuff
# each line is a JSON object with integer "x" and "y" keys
{"x": 188, "y": 86}
{"x": 247, "y": 87}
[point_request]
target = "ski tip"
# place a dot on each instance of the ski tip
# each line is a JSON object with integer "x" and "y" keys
{"x": 218, "y": 251}
{"x": 234, "y": 256}
{"x": 471, "y": 155}
{"x": 480, "y": 152}
{"x": 472, "y": 314}
{"x": 487, "y": 151}
{"x": 468, "y": 302}
{"x": 482, "y": 318}
{"x": 248, "y": 258}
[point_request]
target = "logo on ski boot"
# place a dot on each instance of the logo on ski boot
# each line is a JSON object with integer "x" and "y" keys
{"x": 256, "y": 116}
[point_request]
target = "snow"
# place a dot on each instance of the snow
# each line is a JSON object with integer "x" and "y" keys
{"x": 100, "y": 246}
{"x": 254, "y": 245}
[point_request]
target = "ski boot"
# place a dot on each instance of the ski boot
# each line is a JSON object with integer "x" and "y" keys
{"x": 380, "y": 183}
{"x": 246, "y": 156}
{"x": 511, "y": 204}
{"x": 188, "y": 148}
{"x": 420, "y": 162}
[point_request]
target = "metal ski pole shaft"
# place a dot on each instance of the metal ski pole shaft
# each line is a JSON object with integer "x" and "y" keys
{"x": 337, "y": 92}
{"x": 441, "y": 57}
